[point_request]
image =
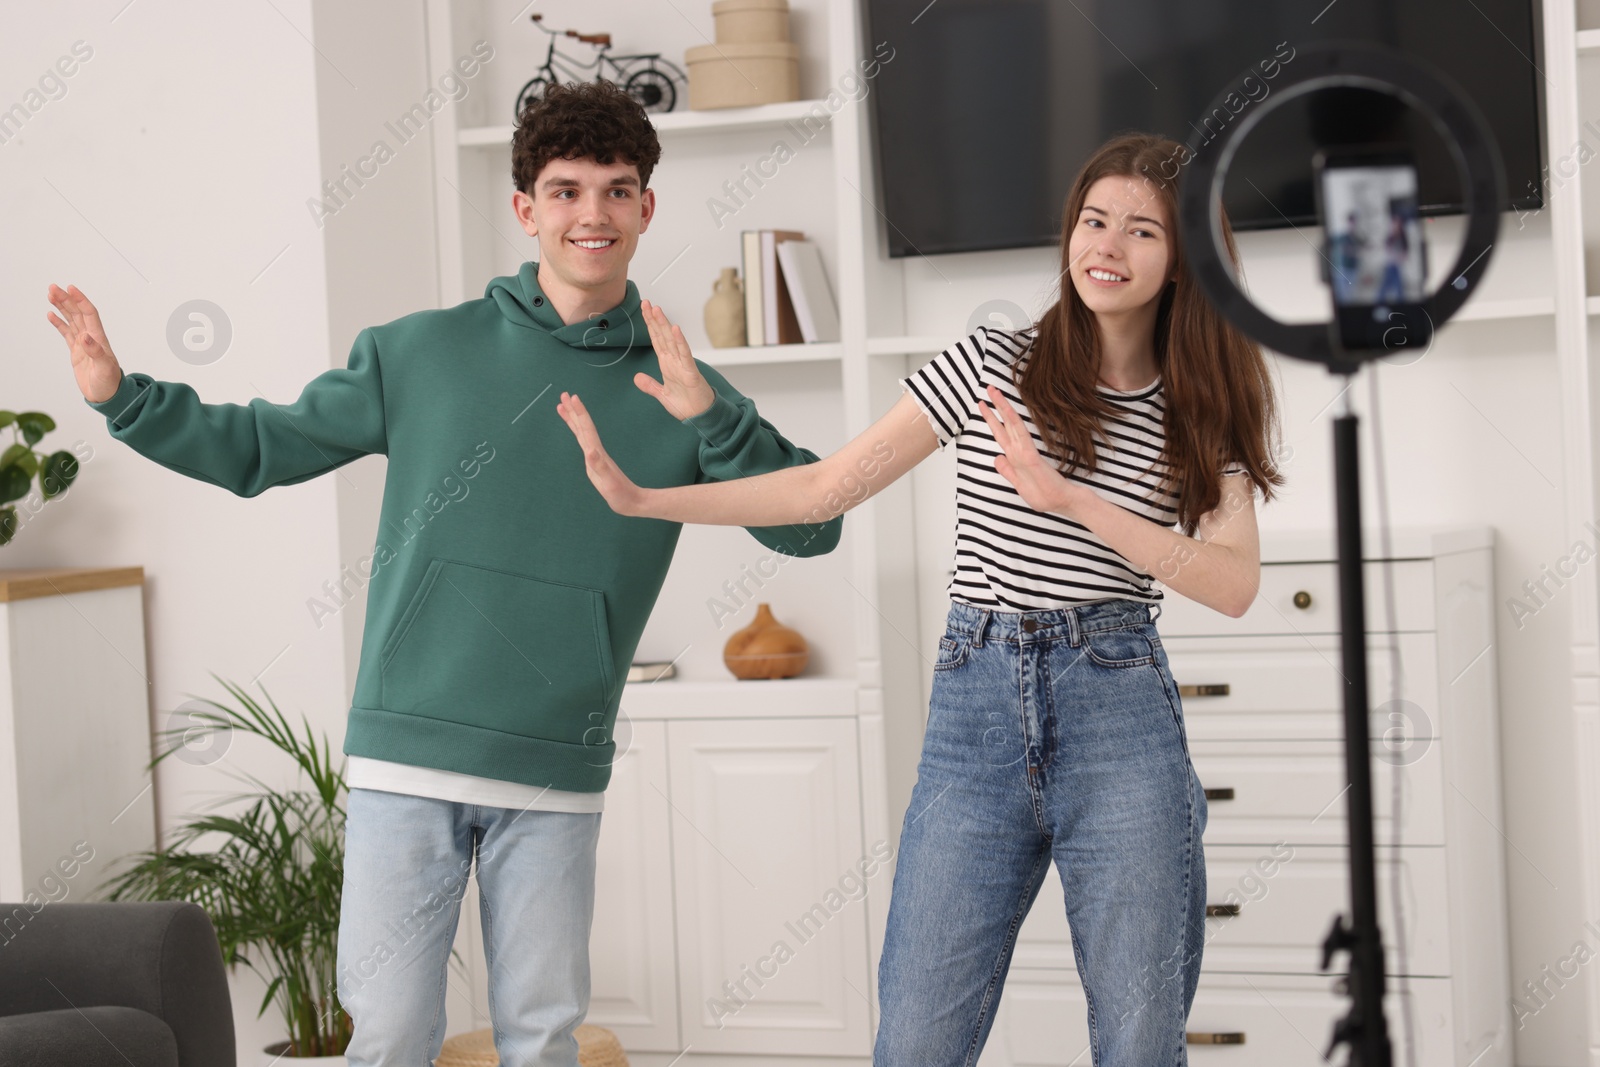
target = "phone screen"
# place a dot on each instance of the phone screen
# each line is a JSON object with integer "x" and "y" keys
{"x": 1375, "y": 257}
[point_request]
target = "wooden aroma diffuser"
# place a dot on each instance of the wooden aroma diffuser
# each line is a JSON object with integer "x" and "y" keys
{"x": 765, "y": 649}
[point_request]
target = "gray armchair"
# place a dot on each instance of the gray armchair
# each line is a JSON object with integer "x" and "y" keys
{"x": 109, "y": 984}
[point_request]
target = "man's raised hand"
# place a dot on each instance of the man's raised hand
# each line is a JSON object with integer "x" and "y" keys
{"x": 683, "y": 391}
{"x": 93, "y": 364}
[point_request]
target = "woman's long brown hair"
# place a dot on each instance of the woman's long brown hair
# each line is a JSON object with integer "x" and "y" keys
{"x": 1220, "y": 404}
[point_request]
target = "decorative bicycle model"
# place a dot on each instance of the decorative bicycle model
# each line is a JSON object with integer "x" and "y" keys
{"x": 647, "y": 78}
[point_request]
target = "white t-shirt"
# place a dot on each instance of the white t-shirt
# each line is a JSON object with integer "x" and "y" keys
{"x": 364, "y": 772}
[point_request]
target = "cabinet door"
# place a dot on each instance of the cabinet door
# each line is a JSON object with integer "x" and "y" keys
{"x": 1292, "y": 689}
{"x": 1271, "y": 906}
{"x": 1303, "y": 598}
{"x": 1293, "y": 791}
{"x": 767, "y": 860}
{"x": 631, "y": 954}
{"x": 1238, "y": 1020}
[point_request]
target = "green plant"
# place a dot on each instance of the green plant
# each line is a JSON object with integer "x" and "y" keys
{"x": 274, "y": 885}
{"x": 20, "y": 464}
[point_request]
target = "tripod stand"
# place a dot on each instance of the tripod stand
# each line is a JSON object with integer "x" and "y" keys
{"x": 1477, "y": 160}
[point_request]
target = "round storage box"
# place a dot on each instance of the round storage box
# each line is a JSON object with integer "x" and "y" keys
{"x": 751, "y": 21}
{"x": 597, "y": 1047}
{"x": 742, "y": 75}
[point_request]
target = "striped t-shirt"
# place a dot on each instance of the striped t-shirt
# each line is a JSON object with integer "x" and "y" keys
{"x": 1009, "y": 556}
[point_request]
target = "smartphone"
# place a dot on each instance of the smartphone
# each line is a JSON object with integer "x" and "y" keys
{"x": 1373, "y": 255}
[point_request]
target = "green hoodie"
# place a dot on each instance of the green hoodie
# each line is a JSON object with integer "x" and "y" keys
{"x": 506, "y": 598}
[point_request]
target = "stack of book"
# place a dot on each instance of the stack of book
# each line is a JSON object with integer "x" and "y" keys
{"x": 786, "y": 295}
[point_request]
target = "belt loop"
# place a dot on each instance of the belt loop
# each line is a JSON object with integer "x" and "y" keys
{"x": 977, "y": 631}
{"x": 1074, "y": 628}
{"x": 1155, "y": 611}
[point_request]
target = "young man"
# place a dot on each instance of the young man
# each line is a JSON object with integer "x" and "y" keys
{"x": 499, "y": 628}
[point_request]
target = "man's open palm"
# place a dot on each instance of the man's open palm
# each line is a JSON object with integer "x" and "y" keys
{"x": 682, "y": 390}
{"x": 96, "y": 368}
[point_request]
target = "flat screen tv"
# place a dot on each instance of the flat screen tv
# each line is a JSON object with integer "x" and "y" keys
{"x": 987, "y": 108}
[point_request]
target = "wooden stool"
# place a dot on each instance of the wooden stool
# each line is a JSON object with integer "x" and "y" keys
{"x": 597, "y": 1047}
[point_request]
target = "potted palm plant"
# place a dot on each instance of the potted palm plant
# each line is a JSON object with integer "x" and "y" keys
{"x": 272, "y": 886}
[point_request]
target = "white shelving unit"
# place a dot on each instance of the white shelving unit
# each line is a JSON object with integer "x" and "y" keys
{"x": 707, "y": 749}
{"x": 1571, "y": 67}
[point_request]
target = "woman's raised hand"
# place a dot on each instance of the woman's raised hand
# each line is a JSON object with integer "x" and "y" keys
{"x": 1042, "y": 486}
{"x": 624, "y": 497}
{"x": 683, "y": 391}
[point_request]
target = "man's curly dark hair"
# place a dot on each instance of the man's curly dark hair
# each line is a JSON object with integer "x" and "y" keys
{"x": 586, "y": 120}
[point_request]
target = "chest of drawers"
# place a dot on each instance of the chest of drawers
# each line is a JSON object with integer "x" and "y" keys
{"x": 1262, "y": 703}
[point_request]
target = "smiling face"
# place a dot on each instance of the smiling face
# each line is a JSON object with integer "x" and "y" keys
{"x": 588, "y": 217}
{"x": 1121, "y": 249}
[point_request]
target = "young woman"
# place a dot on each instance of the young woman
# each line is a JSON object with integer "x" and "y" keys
{"x": 1055, "y": 731}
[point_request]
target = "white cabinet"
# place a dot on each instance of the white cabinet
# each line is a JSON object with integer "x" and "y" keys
{"x": 1238, "y": 1020}
{"x": 728, "y": 913}
{"x": 1262, "y": 703}
{"x": 767, "y": 829}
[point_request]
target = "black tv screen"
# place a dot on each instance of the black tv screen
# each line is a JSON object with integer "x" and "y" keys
{"x": 987, "y": 108}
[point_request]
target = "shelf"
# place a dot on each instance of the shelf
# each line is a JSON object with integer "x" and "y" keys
{"x": 902, "y": 346}
{"x": 720, "y": 120}
{"x": 755, "y": 354}
{"x": 1588, "y": 41}
{"x": 778, "y": 698}
{"x": 1592, "y": 305}
{"x": 1527, "y": 307}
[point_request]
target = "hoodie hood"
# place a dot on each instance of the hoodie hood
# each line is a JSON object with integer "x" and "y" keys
{"x": 520, "y": 299}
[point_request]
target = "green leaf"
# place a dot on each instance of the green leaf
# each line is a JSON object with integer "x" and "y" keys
{"x": 15, "y": 453}
{"x": 57, "y": 473}
{"x": 13, "y": 483}
{"x": 7, "y": 418}
{"x": 35, "y": 424}
{"x": 8, "y": 525}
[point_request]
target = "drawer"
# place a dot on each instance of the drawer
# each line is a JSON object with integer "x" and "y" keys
{"x": 1293, "y": 791}
{"x": 1292, "y": 688}
{"x": 1284, "y": 1020}
{"x": 1286, "y": 898}
{"x": 1275, "y": 612}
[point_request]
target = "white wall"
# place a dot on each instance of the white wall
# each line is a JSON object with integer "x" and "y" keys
{"x": 176, "y": 166}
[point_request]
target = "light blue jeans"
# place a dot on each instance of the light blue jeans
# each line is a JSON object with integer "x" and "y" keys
{"x": 1052, "y": 736}
{"x": 405, "y": 873}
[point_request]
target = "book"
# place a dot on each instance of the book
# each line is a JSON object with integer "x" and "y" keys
{"x": 754, "y": 319}
{"x": 807, "y": 284}
{"x": 650, "y": 672}
{"x": 779, "y": 326}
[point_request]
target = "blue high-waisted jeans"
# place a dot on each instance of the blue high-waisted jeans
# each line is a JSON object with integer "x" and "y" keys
{"x": 1052, "y": 736}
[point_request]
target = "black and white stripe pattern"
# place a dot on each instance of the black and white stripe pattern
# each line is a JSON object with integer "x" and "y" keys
{"x": 1009, "y": 556}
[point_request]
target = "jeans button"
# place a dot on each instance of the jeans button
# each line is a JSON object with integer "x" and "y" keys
{"x": 1029, "y": 625}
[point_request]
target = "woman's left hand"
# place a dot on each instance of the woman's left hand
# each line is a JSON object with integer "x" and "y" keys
{"x": 619, "y": 491}
{"x": 1042, "y": 486}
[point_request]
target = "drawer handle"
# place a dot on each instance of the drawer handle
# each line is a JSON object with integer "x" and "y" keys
{"x": 1224, "y": 792}
{"x": 1302, "y": 600}
{"x": 1219, "y": 689}
{"x": 1221, "y": 911}
{"x": 1223, "y": 1038}
{"x": 1215, "y": 1039}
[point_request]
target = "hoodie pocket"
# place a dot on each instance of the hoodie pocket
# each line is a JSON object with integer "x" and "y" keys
{"x": 503, "y": 651}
